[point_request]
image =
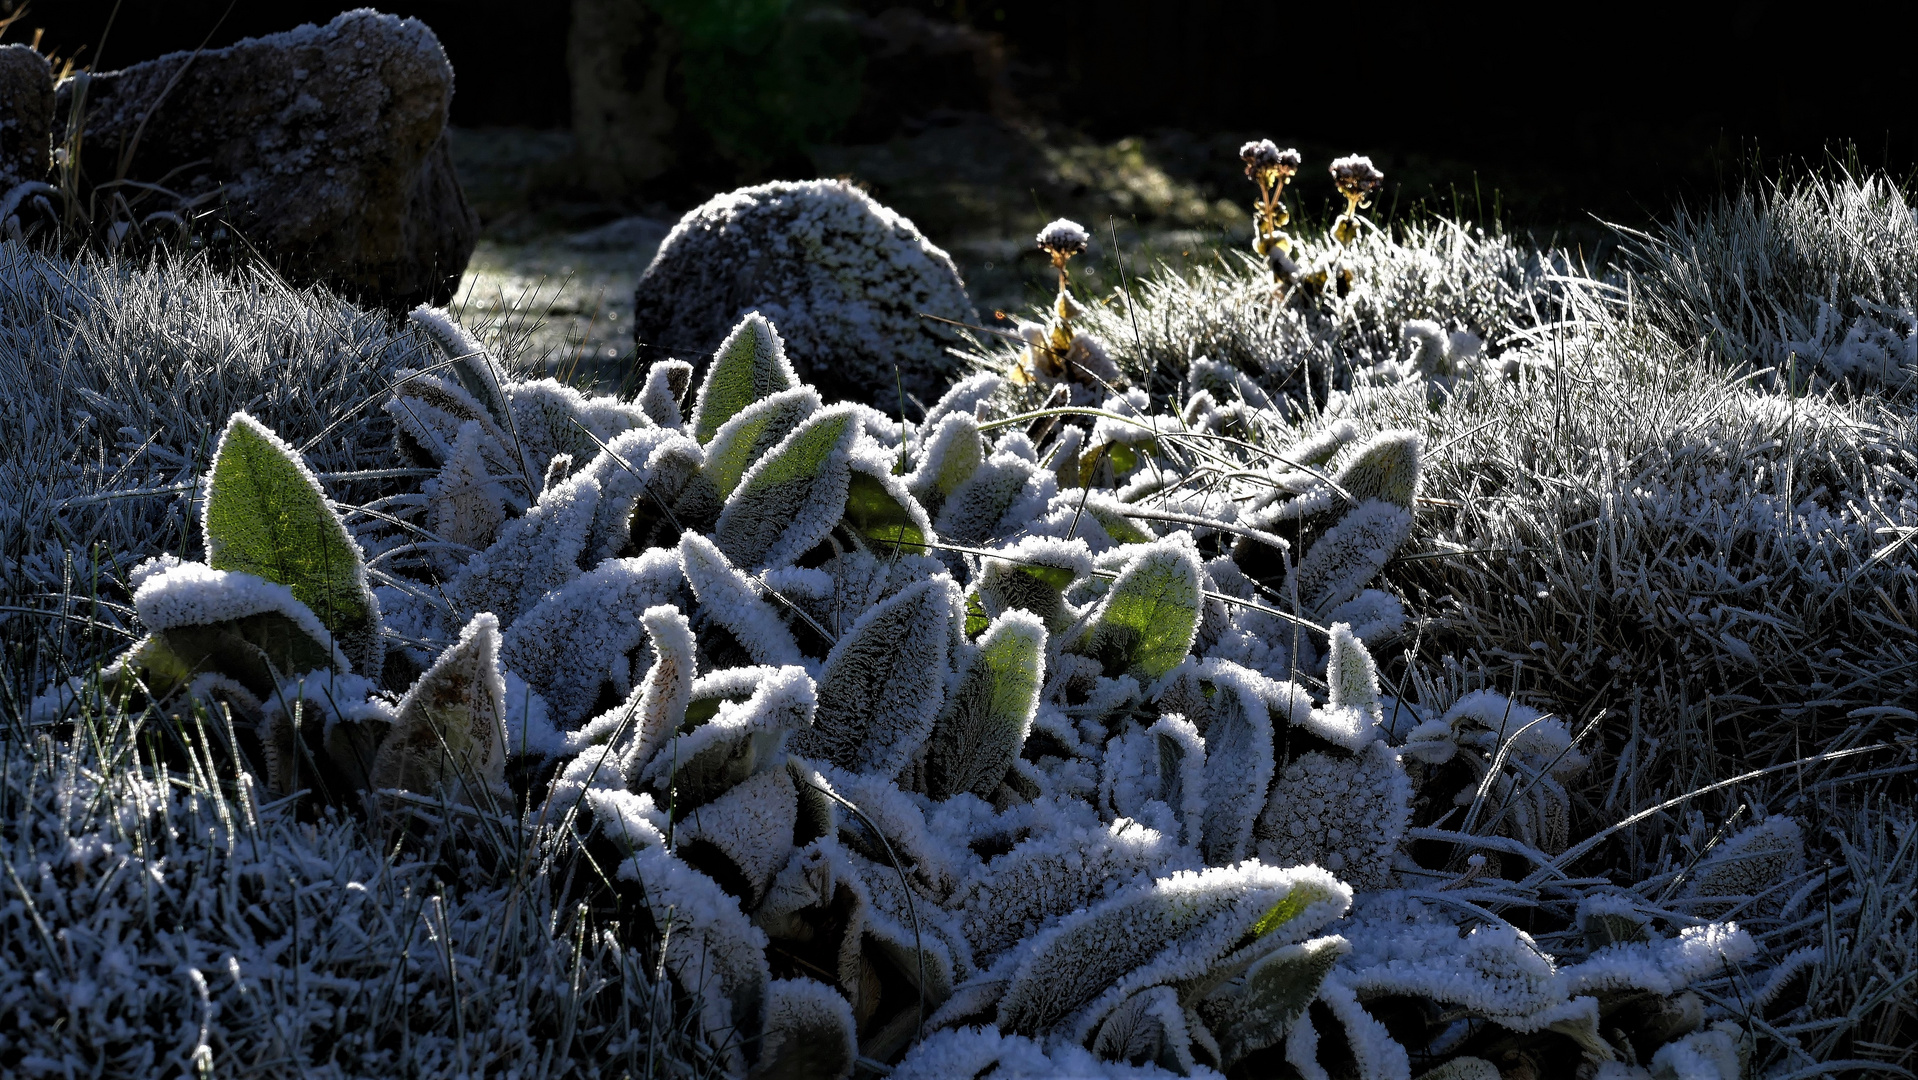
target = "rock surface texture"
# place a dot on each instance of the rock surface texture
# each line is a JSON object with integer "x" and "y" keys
{"x": 846, "y": 280}
{"x": 26, "y": 115}
{"x": 328, "y": 143}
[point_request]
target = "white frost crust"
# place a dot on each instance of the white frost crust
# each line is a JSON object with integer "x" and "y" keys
{"x": 1164, "y": 931}
{"x": 195, "y": 594}
{"x": 1056, "y": 871}
{"x": 729, "y": 598}
{"x": 1663, "y": 967}
{"x": 1349, "y": 555}
{"x": 782, "y": 701}
{"x": 965, "y": 396}
{"x": 1237, "y": 729}
{"x": 895, "y": 814}
{"x": 1346, "y": 814}
{"x": 1373, "y": 614}
{"x": 534, "y": 554}
{"x": 1134, "y": 781}
{"x": 581, "y": 635}
{"x": 623, "y": 470}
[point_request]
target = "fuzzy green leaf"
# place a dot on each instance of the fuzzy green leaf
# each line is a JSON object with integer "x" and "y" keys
{"x": 985, "y": 724}
{"x": 755, "y": 430}
{"x": 266, "y": 515}
{"x": 1251, "y": 1015}
{"x": 793, "y": 497}
{"x": 1145, "y": 624}
{"x": 749, "y": 366}
{"x": 883, "y": 683}
{"x": 883, "y": 515}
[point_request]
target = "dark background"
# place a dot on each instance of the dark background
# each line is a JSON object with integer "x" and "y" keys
{"x": 1562, "y": 110}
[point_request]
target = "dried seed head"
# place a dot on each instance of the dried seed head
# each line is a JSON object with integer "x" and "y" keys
{"x": 1063, "y": 239}
{"x": 1356, "y": 176}
{"x": 1265, "y": 156}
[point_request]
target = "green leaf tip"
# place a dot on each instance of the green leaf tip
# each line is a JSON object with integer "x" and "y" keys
{"x": 750, "y": 365}
{"x": 1145, "y": 625}
{"x": 267, "y": 515}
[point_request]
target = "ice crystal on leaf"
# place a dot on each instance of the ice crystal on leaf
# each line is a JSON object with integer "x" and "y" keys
{"x": 664, "y": 390}
{"x": 581, "y": 637}
{"x": 1145, "y": 624}
{"x": 464, "y": 505}
{"x": 809, "y": 1031}
{"x": 749, "y": 366}
{"x": 949, "y": 457}
{"x": 985, "y": 721}
{"x": 730, "y": 599}
{"x": 792, "y": 497}
{"x": 1156, "y": 775}
{"x": 1170, "y": 929}
{"x": 534, "y": 554}
{"x": 1747, "y": 865}
{"x": 884, "y": 682}
{"x": 450, "y": 731}
{"x": 1346, "y": 814}
{"x": 267, "y": 515}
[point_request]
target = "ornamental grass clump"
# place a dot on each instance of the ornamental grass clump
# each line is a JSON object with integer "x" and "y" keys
{"x": 938, "y": 748}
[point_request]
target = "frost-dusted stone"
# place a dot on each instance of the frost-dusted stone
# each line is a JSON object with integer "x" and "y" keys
{"x": 845, "y": 279}
{"x": 26, "y": 115}
{"x": 329, "y": 142}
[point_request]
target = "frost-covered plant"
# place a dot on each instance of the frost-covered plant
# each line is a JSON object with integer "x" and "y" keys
{"x": 1357, "y": 178}
{"x": 1270, "y": 167}
{"x": 1032, "y": 771}
{"x": 1055, "y": 352}
{"x": 1809, "y": 283}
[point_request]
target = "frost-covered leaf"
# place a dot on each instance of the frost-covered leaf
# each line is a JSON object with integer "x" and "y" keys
{"x": 1346, "y": 814}
{"x": 1350, "y": 554}
{"x": 1157, "y": 775}
{"x": 985, "y": 722}
{"x": 657, "y": 706}
{"x": 627, "y": 479}
{"x": 730, "y": 599}
{"x": 1463, "y": 1068}
{"x": 551, "y": 418}
{"x": 470, "y": 364}
{"x": 1165, "y": 931}
{"x": 267, "y": 515}
{"x": 736, "y": 722}
{"x": 1662, "y": 965}
{"x": 534, "y": 554}
{"x": 1145, "y": 624}
{"x": 1255, "y": 1010}
{"x": 450, "y": 731}
{"x": 579, "y": 638}
{"x": 1107, "y": 511}
{"x": 751, "y": 433}
{"x": 881, "y": 512}
{"x": 1351, "y": 675}
{"x": 666, "y": 384}
{"x": 742, "y": 838}
{"x": 947, "y": 458}
{"x": 464, "y": 504}
{"x": 1001, "y": 495}
{"x": 1747, "y": 864}
{"x": 1608, "y": 919}
{"x": 1385, "y": 468}
{"x": 1055, "y": 872}
{"x": 1034, "y": 576}
{"x": 884, "y": 682}
{"x": 750, "y": 365}
{"x": 1226, "y": 703}
{"x": 712, "y": 951}
{"x": 671, "y": 473}
{"x": 809, "y": 1033}
{"x": 1148, "y": 1028}
{"x": 791, "y": 498}
{"x": 242, "y": 627}
{"x": 964, "y": 397}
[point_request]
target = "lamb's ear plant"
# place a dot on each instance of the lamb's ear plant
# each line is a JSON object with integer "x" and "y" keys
{"x": 1035, "y": 777}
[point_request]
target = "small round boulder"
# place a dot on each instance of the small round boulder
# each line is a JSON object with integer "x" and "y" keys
{"x": 847, "y": 281}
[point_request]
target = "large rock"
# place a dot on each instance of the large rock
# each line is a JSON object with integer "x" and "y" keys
{"x": 329, "y": 143}
{"x": 846, "y": 281}
{"x": 26, "y": 115}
